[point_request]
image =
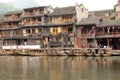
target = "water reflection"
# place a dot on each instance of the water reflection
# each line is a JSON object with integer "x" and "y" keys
{"x": 59, "y": 68}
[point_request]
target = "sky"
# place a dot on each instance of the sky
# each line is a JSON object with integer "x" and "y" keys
{"x": 91, "y": 5}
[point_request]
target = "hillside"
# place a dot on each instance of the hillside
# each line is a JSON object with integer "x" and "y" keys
{"x": 24, "y": 3}
{"x": 16, "y": 5}
{"x": 4, "y": 7}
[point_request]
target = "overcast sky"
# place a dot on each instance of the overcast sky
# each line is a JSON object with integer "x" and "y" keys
{"x": 89, "y": 4}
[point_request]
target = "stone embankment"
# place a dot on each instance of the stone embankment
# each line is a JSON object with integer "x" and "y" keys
{"x": 59, "y": 52}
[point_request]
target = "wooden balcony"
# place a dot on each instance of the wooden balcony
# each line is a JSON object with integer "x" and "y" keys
{"x": 32, "y": 35}
{"x": 62, "y": 34}
{"x": 59, "y": 24}
{"x": 106, "y": 35}
{"x": 34, "y": 23}
{"x": 46, "y": 34}
{"x": 55, "y": 43}
{"x": 11, "y": 36}
{"x": 87, "y": 36}
{"x": 10, "y": 27}
{"x": 61, "y": 21}
{"x": 11, "y": 20}
{"x": 33, "y": 14}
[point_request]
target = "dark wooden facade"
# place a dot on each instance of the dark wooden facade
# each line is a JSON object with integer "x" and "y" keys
{"x": 43, "y": 27}
{"x": 86, "y": 32}
{"x": 108, "y": 34}
{"x": 10, "y": 28}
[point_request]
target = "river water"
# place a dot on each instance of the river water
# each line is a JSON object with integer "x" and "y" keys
{"x": 59, "y": 68}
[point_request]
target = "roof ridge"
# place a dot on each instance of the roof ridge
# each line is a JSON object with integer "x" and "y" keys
{"x": 102, "y": 10}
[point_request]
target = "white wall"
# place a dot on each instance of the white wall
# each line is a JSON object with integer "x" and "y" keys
{"x": 22, "y": 47}
{"x": 79, "y": 13}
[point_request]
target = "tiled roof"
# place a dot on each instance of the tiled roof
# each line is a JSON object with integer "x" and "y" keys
{"x": 14, "y": 12}
{"x": 63, "y": 11}
{"x": 89, "y": 21}
{"x": 35, "y": 7}
{"x": 102, "y": 11}
{"x": 110, "y": 23}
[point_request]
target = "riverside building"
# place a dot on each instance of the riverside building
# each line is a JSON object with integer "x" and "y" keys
{"x": 66, "y": 27}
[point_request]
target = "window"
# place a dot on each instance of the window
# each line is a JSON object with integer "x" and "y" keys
{"x": 39, "y": 30}
{"x": 33, "y": 30}
{"x": 70, "y": 29}
{"x": 39, "y": 19}
{"x": 82, "y": 10}
{"x": 28, "y": 31}
{"x": 31, "y": 11}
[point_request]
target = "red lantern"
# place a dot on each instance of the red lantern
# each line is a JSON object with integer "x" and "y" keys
{"x": 81, "y": 27}
{"x": 118, "y": 27}
{"x": 119, "y": 40}
{"x": 110, "y": 40}
{"x": 93, "y": 27}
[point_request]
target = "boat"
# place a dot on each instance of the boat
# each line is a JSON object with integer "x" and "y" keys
{"x": 97, "y": 52}
{"x": 106, "y": 53}
{"x": 89, "y": 52}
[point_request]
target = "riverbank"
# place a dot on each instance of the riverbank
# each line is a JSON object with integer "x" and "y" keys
{"x": 60, "y": 52}
{"x": 116, "y": 52}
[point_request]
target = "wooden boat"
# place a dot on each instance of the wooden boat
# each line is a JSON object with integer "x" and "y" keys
{"x": 89, "y": 52}
{"x": 97, "y": 52}
{"x": 106, "y": 53}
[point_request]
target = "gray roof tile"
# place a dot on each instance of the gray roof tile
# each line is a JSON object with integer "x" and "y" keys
{"x": 63, "y": 11}
{"x": 102, "y": 11}
{"x": 110, "y": 23}
{"x": 14, "y": 12}
{"x": 89, "y": 21}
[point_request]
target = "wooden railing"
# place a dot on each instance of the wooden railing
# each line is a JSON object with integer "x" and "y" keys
{"x": 11, "y": 18}
{"x": 32, "y": 13}
{"x": 86, "y": 35}
{"x": 111, "y": 33}
{"x": 60, "y": 21}
{"x": 55, "y": 43}
{"x": 10, "y": 26}
{"x": 32, "y": 35}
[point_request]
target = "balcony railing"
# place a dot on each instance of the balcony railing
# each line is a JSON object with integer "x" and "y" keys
{"x": 55, "y": 43}
{"x": 46, "y": 34}
{"x": 86, "y": 35}
{"x": 11, "y": 18}
{"x": 26, "y": 14}
{"x": 10, "y": 27}
{"x": 60, "y": 21}
{"x": 112, "y": 34}
{"x": 33, "y": 35}
{"x": 13, "y": 36}
{"x": 33, "y": 23}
